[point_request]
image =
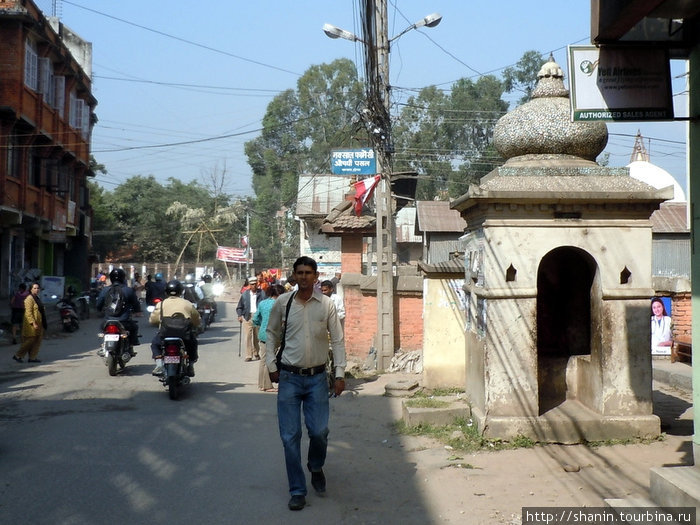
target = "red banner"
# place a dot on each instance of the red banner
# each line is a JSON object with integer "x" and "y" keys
{"x": 233, "y": 255}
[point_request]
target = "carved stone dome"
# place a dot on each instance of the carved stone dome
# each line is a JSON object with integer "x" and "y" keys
{"x": 541, "y": 132}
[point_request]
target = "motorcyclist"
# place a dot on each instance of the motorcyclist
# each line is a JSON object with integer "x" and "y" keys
{"x": 171, "y": 305}
{"x": 190, "y": 292}
{"x": 207, "y": 290}
{"x": 155, "y": 289}
{"x": 132, "y": 305}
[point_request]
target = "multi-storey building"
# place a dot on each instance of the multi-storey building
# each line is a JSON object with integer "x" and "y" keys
{"x": 46, "y": 117}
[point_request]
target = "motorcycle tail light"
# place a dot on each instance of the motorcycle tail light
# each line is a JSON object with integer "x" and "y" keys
{"x": 65, "y": 312}
{"x": 172, "y": 349}
{"x": 111, "y": 329}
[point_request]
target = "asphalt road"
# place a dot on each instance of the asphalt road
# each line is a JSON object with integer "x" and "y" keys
{"x": 79, "y": 447}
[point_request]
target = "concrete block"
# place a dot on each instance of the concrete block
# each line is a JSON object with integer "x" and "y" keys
{"x": 676, "y": 487}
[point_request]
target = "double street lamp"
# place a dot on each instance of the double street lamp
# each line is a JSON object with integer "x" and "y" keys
{"x": 332, "y": 31}
{"x": 379, "y": 52}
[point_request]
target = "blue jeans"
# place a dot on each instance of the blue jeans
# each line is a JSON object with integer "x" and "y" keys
{"x": 312, "y": 393}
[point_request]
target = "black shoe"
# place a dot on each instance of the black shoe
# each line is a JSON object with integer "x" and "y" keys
{"x": 297, "y": 502}
{"x": 33, "y": 360}
{"x": 190, "y": 370}
{"x": 318, "y": 481}
{"x": 18, "y": 359}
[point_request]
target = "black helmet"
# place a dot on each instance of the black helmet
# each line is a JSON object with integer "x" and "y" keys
{"x": 174, "y": 288}
{"x": 206, "y": 278}
{"x": 117, "y": 276}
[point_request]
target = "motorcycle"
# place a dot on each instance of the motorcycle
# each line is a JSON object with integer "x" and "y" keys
{"x": 83, "y": 305}
{"x": 116, "y": 349}
{"x": 207, "y": 312}
{"x": 175, "y": 363}
{"x": 69, "y": 317}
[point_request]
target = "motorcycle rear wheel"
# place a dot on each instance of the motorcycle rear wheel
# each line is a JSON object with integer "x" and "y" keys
{"x": 173, "y": 391}
{"x": 111, "y": 365}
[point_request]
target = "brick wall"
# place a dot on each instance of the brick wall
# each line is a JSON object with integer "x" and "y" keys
{"x": 410, "y": 322}
{"x": 681, "y": 314}
{"x": 361, "y": 322}
{"x": 351, "y": 256}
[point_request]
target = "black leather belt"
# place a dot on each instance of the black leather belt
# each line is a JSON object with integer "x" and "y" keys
{"x": 303, "y": 371}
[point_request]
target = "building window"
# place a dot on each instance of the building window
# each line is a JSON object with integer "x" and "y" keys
{"x": 85, "y": 128}
{"x": 31, "y": 66}
{"x": 76, "y": 111}
{"x": 13, "y": 151}
{"x": 71, "y": 186}
{"x": 46, "y": 81}
{"x": 60, "y": 95}
{"x": 34, "y": 169}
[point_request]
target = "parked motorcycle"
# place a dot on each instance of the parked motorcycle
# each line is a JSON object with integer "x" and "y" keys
{"x": 83, "y": 305}
{"x": 69, "y": 316}
{"x": 175, "y": 363}
{"x": 115, "y": 346}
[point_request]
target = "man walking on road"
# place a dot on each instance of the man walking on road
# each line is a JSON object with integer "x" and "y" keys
{"x": 247, "y": 306}
{"x": 301, "y": 322}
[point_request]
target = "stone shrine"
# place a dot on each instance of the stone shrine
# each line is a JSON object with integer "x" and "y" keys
{"x": 558, "y": 281}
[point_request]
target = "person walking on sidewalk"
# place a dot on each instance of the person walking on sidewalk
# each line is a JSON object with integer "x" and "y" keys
{"x": 17, "y": 306}
{"x": 247, "y": 306}
{"x": 300, "y": 323}
{"x": 260, "y": 319}
{"x": 33, "y": 326}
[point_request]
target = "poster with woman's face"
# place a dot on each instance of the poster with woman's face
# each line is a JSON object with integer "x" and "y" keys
{"x": 661, "y": 330}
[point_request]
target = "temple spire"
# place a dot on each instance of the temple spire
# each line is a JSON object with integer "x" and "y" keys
{"x": 639, "y": 152}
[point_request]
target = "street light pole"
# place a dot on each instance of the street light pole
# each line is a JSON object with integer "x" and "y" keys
{"x": 377, "y": 48}
{"x": 384, "y": 206}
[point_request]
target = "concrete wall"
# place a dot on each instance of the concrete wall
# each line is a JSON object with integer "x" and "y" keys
{"x": 361, "y": 316}
{"x": 444, "y": 323}
{"x": 616, "y": 380}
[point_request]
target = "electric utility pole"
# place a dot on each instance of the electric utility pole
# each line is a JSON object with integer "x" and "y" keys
{"x": 384, "y": 202}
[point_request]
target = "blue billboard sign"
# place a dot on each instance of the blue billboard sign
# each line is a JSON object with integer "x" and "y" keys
{"x": 353, "y": 162}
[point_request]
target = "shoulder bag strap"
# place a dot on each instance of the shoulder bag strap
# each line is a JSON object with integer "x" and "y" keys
{"x": 284, "y": 330}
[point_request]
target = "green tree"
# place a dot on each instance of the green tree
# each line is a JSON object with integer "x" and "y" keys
{"x": 443, "y": 137}
{"x": 522, "y": 77}
{"x": 300, "y": 128}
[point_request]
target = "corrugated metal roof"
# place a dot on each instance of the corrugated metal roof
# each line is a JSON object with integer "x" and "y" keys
{"x": 319, "y": 194}
{"x": 671, "y": 217}
{"x": 436, "y": 216}
{"x": 406, "y": 225}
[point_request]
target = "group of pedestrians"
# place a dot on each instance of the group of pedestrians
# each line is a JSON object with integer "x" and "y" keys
{"x": 288, "y": 330}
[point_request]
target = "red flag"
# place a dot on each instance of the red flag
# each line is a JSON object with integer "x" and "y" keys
{"x": 363, "y": 191}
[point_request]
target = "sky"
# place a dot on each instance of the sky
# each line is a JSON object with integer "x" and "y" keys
{"x": 181, "y": 86}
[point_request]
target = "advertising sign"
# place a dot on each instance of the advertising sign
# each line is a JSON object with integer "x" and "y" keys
{"x": 51, "y": 288}
{"x": 233, "y": 255}
{"x": 353, "y": 162}
{"x": 619, "y": 84}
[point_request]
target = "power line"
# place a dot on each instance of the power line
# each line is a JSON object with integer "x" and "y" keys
{"x": 180, "y": 39}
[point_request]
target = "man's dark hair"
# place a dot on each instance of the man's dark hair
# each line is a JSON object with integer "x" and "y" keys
{"x": 306, "y": 261}
{"x": 275, "y": 290}
{"x": 327, "y": 283}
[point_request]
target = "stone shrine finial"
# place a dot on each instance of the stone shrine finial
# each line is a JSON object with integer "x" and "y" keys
{"x": 541, "y": 132}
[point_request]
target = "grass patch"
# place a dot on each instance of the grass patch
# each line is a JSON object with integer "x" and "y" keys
{"x": 437, "y": 392}
{"x": 426, "y": 402}
{"x": 462, "y": 434}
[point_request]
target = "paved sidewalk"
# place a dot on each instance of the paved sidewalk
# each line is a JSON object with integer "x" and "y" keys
{"x": 677, "y": 375}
